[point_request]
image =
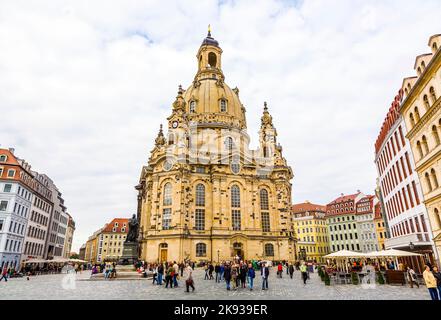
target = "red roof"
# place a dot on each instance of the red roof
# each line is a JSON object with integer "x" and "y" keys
{"x": 307, "y": 206}
{"x": 122, "y": 223}
{"x": 345, "y": 198}
{"x": 391, "y": 117}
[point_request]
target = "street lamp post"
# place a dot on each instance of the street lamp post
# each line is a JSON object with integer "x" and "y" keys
{"x": 218, "y": 255}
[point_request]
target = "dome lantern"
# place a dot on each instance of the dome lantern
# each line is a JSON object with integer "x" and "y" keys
{"x": 209, "y": 59}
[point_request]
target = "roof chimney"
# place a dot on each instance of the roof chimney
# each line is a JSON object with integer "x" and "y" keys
{"x": 11, "y": 150}
{"x": 342, "y": 194}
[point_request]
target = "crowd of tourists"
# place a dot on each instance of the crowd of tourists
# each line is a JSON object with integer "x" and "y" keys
{"x": 236, "y": 274}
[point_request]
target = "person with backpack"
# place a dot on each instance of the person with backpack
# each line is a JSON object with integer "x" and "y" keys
{"x": 251, "y": 273}
{"x": 169, "y": 275}
{"x": 279, "y": 270}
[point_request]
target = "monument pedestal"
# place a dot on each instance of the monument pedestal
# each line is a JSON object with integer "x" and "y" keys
{"x": 129, "y": 254}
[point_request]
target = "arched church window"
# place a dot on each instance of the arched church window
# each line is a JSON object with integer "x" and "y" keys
{"x": 235, "y": 203}
{"x": 212, "y": 60}
{"x": 201, "y": 250}
{"x": 264, "y": 205}
{"x": 223, "y": 105}
{"x": 429, "y": 184}
{"x": 437, "y": 218}
{"x": 200, "y": 207}
{"x": 171, "y": 138}
{"x": 269, "y": 250}
{"x": 235, "y": 197}
{"x": 192, "y": 106}
{"x": 434, "y": 178}
{"x": 412, "y": 119}
{"x": 425, "y": 144}
{"x": 426, "y": 102}
{"x": 167, "y": 194}
{"x": 200, "y": 195}
{"x": 229, "y": 144}
{"x": 435, "y": 135}
{"x": 432, "y": 94}
{"x": 264, "y": 210}
{"x": 420, "y": 149}
{"x": 417, "y": 114}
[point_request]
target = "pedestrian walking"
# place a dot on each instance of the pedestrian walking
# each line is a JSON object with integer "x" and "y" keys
{"x": 437, "y": 276}
{"x": 264, "y": 272}
{"x": 175, "y": 274}
{"x": 221, "y": 271}
{"x": 291, "y": 270}
{"x": 206, "y": 272}
{"x": 234, "y": 274}
{"x": 243, "y": 275}
{"x": 227, "y": 275}
{"x": 251, "y": 273}
{"x": 431, "y": 284}
{"x": 189, "y": 282}
{"x": 210, "y": 271}
{"x": 304, "y": 271}
{"x": 279, "y": 270}
{"x": 169, "y": 276}
{"x": 217, "y": 271}
{"x": 4, "y": 274}
{"x": 160, "y": 270}
{"x": 411, "y": 277}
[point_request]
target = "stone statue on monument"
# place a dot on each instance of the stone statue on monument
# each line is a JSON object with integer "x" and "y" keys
{"x": 132, "y": 235}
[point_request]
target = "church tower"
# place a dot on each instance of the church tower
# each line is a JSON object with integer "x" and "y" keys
{"x": 204, "y": 195}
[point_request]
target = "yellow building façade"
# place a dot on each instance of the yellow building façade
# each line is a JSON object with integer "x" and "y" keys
{"x": 204, "y": 195}
{"x": 311, "y": 230}
{"x": 421, "y": 110}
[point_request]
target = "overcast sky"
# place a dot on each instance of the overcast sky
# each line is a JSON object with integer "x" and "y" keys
{"x": 84, "y": 86}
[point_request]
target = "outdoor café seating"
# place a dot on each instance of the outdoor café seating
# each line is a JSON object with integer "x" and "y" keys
{"x": 348, "y": 262}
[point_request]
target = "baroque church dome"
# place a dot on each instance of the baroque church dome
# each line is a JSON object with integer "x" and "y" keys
{"x": 209, "y": 101}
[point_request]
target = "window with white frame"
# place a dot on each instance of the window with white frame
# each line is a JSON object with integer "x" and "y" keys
{"x": 3, "y": 205}
{"x": 166, "y": 218}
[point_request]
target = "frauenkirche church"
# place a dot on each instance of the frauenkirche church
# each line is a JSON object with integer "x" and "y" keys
{"x": 204, "y": 195}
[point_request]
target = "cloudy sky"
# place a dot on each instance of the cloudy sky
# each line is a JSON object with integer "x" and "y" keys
{"x": 84, "y": 85}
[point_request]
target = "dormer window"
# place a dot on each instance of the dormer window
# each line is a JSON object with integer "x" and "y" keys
{"x": 123, "y": 229}
{"x": 116, "y": 224}
{"x": 192, "y": 106}
{"x": 3, "y": 158}
{"x": 223, "y": 105}
{"x": 435, "y": 47}
{"x": 11, "y": 173}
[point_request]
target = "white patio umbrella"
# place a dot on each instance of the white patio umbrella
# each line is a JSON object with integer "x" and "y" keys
{"x": 77, "y": 260}
{"x": 392, "y": 253}
{"x": 58, "y": 260}
{"x": 35, "y": 261}
{"x": 343, "y": 255}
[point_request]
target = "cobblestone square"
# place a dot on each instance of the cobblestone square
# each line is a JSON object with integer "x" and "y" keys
{"x": 64, "y": 287}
